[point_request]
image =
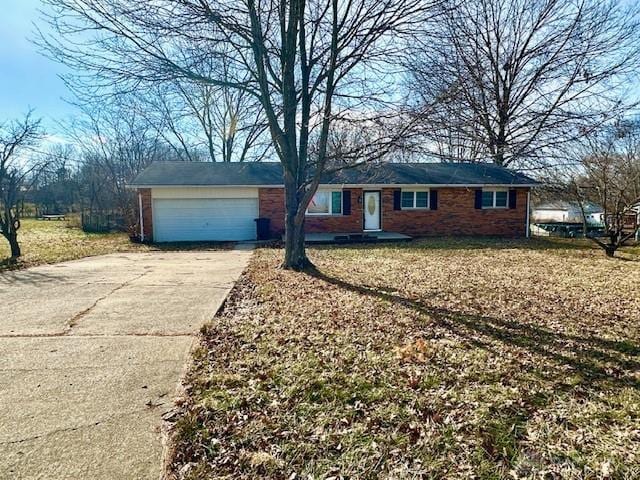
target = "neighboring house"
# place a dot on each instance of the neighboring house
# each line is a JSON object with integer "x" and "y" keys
{"x": 182, "y": 201}
{"x": 561, "y": 211}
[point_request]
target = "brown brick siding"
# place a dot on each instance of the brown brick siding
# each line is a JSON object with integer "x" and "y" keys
{"x": 272, "y": 206}
{"x": 147, "y": 214}
{"x": 339, "y": 223}
{"x": 456, "y": 215}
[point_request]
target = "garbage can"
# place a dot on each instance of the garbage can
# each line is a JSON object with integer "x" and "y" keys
{"x": 262, "y": 227}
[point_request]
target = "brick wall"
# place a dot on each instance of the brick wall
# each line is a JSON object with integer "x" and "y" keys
{"x": 456, "y": 215}
{"x": 272, "y": 206}
{"x": 339, "y": 223}
{"x": 147, "y": 214}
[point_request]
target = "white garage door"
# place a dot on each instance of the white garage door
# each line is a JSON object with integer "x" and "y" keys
{"x": 203, "y": 219}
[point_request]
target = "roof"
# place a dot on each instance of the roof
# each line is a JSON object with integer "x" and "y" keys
{"x": 589, "y": 207}
{"x": 176, "y": 174}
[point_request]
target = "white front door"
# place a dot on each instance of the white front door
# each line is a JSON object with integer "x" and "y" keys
{"x": 371, "y": 210}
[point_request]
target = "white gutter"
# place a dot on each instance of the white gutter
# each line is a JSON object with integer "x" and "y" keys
{"x": 358, "y": 185}
{"x": 528, "y": 226}
{"x": 141, "y": 217}
{"x": 136, "y": 186}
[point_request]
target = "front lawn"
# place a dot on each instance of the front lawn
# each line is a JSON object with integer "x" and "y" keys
{"x": 45, "y": 241}
{"x": 434, "y": 359}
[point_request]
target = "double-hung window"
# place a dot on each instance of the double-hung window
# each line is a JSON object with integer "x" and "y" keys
{"x": 411, "y": 199}
{"x": 326, "y": 202}
{"x": 495, "y": 198}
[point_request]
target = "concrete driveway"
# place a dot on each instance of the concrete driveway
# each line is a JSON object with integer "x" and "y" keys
{"x": 91, "y": 353}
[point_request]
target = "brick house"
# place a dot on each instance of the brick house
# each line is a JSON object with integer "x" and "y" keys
{"x": 179, "y": 201}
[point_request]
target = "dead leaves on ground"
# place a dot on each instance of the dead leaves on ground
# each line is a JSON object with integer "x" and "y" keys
{"x": 415, "y": 362}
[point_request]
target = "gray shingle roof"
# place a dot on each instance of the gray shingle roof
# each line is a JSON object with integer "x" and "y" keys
{"x": 270, "y": 173}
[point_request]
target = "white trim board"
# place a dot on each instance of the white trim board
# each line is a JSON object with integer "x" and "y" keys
{"x": 357, "y": 185}
{"x": 205, "y": 192}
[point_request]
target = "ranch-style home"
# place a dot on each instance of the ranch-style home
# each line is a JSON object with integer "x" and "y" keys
{"x": 183, "y": 201}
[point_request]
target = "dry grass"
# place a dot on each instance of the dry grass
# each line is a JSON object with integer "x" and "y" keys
{"x": 436, "y": 359}
{"x": 58, "y": 241}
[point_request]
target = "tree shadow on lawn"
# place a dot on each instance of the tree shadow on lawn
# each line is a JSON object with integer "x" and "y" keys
{"x": 581, "y": 354}
{"x": 585, "y": 367}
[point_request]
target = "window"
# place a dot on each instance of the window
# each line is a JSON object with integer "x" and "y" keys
{"x": 422, "y": 199}
{"x": 325, "y": 202}
{"x": 407, "y": 199}
{"x": 487, "y": 199}
{"x": 494, "y": 198}
{"x": 415, "y": 199}
{"x": 336, "y": 203}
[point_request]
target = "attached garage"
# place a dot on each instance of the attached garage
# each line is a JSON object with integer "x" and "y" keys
{"x": 204, "y": 214}
{"x": 207, "y": 201}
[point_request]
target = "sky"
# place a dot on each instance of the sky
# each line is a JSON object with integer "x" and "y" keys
{"x": 27, "y": 78}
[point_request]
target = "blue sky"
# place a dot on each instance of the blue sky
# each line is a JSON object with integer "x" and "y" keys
{"x": 27, "y": 78}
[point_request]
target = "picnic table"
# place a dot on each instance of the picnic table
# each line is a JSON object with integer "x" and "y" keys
{"x": 53, "y": 217}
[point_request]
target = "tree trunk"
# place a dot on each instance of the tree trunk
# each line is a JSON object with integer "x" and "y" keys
{"x": 585, "y": 225}
{"x": 295, "y": 256}
{"x": 612, "y": 246}
{"x": 15, "y": 246}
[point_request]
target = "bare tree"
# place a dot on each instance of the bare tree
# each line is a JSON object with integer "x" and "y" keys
{"x": 115, "y": 143}
{"x": 610, "y": 175}
{"x": 200, "y": 121}
{"x": 165, "y": 112}
{"x": 512, "y": 80}
{"x": 307, "y": 62}
{"x": 576, "y": 192}
{"x": 55, "y": 188}
{"x": 605, "y": 170}
{"x": 16, "y": 138}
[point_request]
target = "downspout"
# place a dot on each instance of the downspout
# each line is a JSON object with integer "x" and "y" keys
{"x": 141, "y": 217}
{"x": 527, "y": 226}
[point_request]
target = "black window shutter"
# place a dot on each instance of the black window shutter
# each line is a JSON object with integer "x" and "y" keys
{"x": 512, "y": 198}
{"x": 433, "y": 199}
{"x": 346, "y": 202}
{"x": 397, "y": 199}
{"x": 479, "y": 198}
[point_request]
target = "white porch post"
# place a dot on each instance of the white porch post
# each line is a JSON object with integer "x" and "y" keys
{"x": 528, "y": 226}
{"x": 141, "y": 217}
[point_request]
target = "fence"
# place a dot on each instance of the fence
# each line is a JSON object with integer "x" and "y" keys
{"x": 103, "y": 222}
